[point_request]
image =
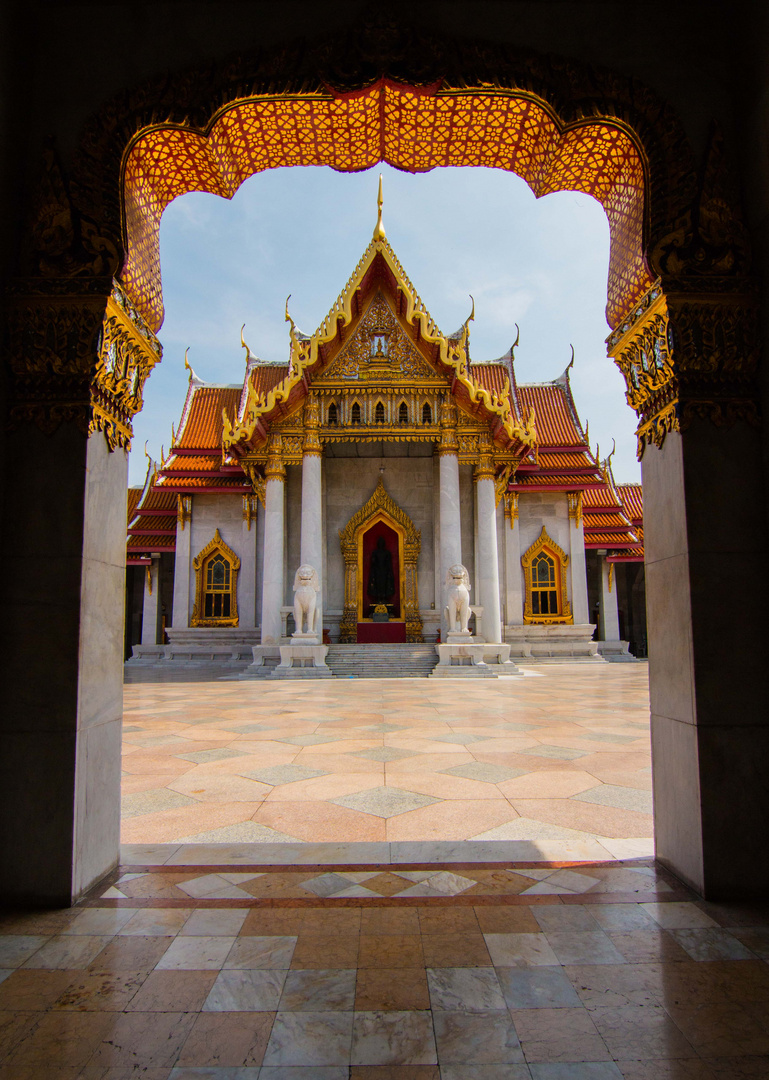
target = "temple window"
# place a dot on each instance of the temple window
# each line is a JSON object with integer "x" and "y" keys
{"x": 544, "y": 568}
{"x": 427, "y": 414}
{"x": 216, "y": 573}
{"x": 403, "y": 413}
{"x": 379, "y": 413}
{"x": 355, "y": 414}
{"x": 333, "y": 417}
{"x": 216, "y": 597}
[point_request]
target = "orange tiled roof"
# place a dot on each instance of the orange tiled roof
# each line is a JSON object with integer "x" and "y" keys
{"x": 214, "y": 480}
{"x": 201, "y": 425}
{"x": 491, "y": 376}
{"x": 265, "y": 377}
{"x": 537, "y": 479}
{"x": 134, "y": 494}
{"x": 604, "y": 520}
{"x": 192, "y": 463}
{"x": 151, "y": 543}
{"x": 633, "y": 500}
{"x": 610, "y": 540}
{"x": 575, "y": 460}
{"x": 602, "y": 497}
{"x": 556, "y": 422}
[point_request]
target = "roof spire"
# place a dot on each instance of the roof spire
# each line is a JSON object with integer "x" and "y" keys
{"x": 379, "y": 231}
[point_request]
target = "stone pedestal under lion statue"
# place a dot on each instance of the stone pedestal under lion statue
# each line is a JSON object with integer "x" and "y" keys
{"x": 305, "y": 656}
{"x": 462, "y": 655}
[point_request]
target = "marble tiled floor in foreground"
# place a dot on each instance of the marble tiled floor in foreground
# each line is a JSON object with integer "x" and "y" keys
{"x": 607, "y": 972}
{"x": 558, "y": 756}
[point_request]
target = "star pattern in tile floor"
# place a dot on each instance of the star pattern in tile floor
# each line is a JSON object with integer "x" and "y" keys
{"x": 558, "y": 756}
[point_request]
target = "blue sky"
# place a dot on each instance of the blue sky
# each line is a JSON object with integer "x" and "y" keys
{"x": 539, "y": 263}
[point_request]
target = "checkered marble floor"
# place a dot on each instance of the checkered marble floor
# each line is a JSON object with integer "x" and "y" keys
{"x": 558, "y": 756}
{"x": 598, "y": 971}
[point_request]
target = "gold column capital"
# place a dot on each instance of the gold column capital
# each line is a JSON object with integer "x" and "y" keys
{"x": 311, "y": 444}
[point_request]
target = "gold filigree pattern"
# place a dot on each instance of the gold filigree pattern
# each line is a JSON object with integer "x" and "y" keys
{"x": 378, "y": 350}
{"x": 412, "y": 129}
{"x": 380, "y": 504}
{"x": 129, "y": 351}
{"x": 685, "y": 356}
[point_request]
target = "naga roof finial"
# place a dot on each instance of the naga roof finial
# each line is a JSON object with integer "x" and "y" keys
{"x": 243, "y": 342}
{"x": 379, "y": 230}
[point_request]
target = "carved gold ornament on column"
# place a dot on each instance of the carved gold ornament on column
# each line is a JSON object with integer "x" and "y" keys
{"x": 688, "y": 355}
{"x": 380, "y": 506}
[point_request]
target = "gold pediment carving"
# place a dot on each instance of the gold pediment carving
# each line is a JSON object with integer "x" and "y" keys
{"x": 378, "y": 350}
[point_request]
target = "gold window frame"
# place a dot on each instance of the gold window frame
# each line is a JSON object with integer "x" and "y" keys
{"x": 547, "y": 545}
{"x": 216, "y": 546}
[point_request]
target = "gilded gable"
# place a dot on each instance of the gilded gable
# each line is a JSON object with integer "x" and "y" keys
{"x": 379, "y": 350}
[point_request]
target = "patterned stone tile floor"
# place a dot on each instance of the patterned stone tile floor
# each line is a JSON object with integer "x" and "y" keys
{"x": 581, "y": 971}
{"x": 555, "y": 761}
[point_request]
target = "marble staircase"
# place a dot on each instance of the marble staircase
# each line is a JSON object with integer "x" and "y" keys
{"x": 382, "y": 661}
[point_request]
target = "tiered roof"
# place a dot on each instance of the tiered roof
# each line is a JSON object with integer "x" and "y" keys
{"x": 151, "y": 520}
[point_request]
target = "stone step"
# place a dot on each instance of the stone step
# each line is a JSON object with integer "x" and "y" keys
{"x": 382, "y": 661}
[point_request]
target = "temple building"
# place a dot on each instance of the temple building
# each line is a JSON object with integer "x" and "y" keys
{"x": 382, "y": 457}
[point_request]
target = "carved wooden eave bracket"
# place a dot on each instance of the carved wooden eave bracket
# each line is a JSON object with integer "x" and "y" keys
{"x": 308, "y": 355}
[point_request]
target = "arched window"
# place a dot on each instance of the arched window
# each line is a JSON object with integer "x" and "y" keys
{"x": 216, "y": 574}
{"x": 544, "y": 568}
{"x": 333, "y": 417}
{"x": 427, "y": 414}
{"x": 379, "y": 413}
{"x": 355, "y": 414}
{"x": 403, "y": 413}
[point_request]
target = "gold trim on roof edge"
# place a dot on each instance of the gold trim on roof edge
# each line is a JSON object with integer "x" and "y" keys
{"x": 305, "y": 353}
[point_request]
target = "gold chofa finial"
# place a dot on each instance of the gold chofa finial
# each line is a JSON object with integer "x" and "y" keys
{"x": 379, "y": 231}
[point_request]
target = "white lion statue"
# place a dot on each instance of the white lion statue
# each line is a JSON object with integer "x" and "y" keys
{"x": 306, "y": 589}
{"x": 457, "y": 598}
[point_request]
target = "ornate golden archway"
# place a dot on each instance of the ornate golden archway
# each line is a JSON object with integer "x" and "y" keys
{"x": 380, "y": 507}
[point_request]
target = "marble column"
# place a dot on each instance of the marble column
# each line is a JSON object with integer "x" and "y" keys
{"x": 488, "y": 559}
{"x": 151, "y": 607}
{"x": 580, "y": 608}
{"x": 513, "y": 574}
{"x": 608, "y": 613}
{"x": 449, "y": 515}
{"x": 311, "y": 549}
{"x": 62, "y": 640}
{"x": 180, "y": 617}
{"x": 247, "y": 574}
{"x": 274, "y": 542}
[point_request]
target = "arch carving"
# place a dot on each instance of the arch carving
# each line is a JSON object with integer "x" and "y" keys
{"x": 394, "y": 92}
{"x": 380, "y": 505}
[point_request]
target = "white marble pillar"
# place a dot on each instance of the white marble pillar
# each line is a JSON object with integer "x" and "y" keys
{"x": 608, "y": 611}
{"x": 488, "y": 559}
{"x": 451, "y": 539}
{"x": 151, "y": 606}
{"x": 247, "y": 575}
{"x": 513, "y": 573}
{"x": 577, "y": 568}
{"x": 274, "y": 541}
{"x": 311, "y": 546}
{"x": 180, "y": 617}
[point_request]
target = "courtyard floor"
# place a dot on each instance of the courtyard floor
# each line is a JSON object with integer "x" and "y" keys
{"x": 388, "y": 958}
{"x": 557, "y": 757}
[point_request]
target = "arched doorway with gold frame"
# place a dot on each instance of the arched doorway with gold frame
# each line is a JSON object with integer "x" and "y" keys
{"x": 380, "y": 508}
